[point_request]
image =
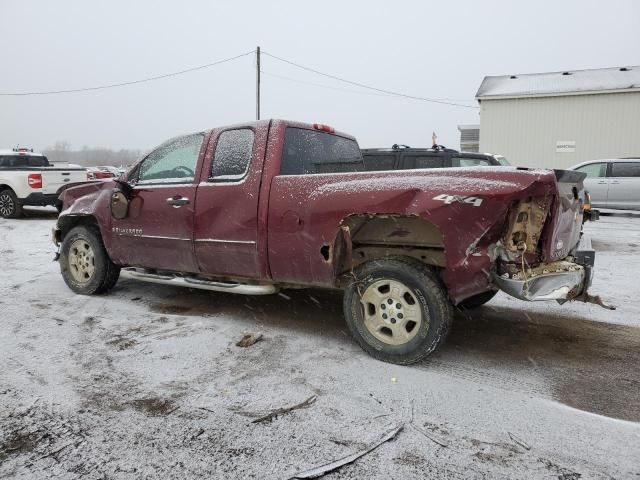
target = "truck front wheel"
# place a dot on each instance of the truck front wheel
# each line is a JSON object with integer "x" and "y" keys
{"x": 397, "y": 310}
{"x": 84, "y": 263}
{"x": 9, "y": 206}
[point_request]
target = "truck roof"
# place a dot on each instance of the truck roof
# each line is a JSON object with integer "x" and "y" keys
{"x": 19, "y": 151}
{"x": 313, "y": 126}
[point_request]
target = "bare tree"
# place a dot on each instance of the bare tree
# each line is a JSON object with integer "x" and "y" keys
{"x": 90, "y": 156}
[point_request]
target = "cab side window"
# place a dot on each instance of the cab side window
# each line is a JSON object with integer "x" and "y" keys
{"x": 374, "y": 163}
{"x": 233, "y": 155}
{"x": 594, "y": 170}
{"x": 626, "y": 169}
{"x": 172, "y": 162}
{"x": 34, "y": 161}
{"x": 423, "y": 161}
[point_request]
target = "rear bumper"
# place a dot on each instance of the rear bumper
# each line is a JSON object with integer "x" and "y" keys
{"x": 547, "y": 286}
{"x": 559, "y": 281}
{"x": 38, "y": 199}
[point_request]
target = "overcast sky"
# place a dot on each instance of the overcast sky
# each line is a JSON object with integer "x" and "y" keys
{"x": 428, "y": 49}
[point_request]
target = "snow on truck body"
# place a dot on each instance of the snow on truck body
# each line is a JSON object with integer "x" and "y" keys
{"x": 255, "y": 207}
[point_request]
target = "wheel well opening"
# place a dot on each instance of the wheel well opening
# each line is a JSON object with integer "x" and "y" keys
{"x": 367, "y": 237}
{"x": 66, "y": 223}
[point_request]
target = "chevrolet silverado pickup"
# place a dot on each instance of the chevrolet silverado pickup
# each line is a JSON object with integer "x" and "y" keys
{"x": 257, "y": 207}
{"x": 27, "y": 178}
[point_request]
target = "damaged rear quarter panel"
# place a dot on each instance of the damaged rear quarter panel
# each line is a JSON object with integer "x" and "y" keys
{"x": 312, "y": 207}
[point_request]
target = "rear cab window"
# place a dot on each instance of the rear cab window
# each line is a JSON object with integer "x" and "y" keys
{"x": 309, "y": 152}
{"x": 626, "y": 169}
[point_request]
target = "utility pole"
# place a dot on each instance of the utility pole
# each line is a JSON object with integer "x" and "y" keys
{"x": 258, "y": 83}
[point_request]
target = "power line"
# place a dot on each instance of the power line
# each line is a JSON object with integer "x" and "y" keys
{"x": 133, "y": 82}
{"x": 330, "y": 87}
{"x": 362, "y": 85}
{"x": 295, "y": 80}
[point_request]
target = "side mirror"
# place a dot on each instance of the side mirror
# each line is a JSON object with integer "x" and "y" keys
{"x": 119, "y": 205}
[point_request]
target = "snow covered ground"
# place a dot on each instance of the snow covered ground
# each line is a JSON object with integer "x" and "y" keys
{"x": 146, "y": 382}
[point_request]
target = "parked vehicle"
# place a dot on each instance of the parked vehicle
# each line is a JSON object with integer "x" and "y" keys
{"x": 102, "y": 173}
{"x": 110, "y": 168}
{"x": 403, "y": 157}
{"x": 612, "y": 183}
{"x": 256, "y": 207}
{"x": 27, "y": 178}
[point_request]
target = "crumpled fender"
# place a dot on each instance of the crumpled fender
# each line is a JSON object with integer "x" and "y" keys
{"x": 88, "y": 200}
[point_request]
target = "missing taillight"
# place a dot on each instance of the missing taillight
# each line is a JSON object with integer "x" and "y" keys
{"x": 525, "y": 227}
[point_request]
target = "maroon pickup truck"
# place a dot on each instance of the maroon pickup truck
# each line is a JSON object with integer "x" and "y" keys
{"x": 261, "y": 206}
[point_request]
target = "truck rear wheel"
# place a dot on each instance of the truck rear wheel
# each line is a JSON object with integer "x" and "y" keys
{"x": 397, "y": 310}
{"x": 84, "y": 263}
{"x": 9, "y": 205}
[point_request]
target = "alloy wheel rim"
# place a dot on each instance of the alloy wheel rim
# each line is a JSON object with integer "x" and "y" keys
{"x": 81, "y": 261}
{"x": 392, "y": 313}
{"x": 6, "y": 205}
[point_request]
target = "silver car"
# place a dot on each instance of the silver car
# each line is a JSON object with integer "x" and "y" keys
{"x": 612, "y": 183}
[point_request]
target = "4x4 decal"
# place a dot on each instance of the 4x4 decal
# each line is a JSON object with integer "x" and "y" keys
{"x": 449, "y": 199}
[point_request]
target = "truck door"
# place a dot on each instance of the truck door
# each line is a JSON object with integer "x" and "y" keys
{"x": 624, "y": 185}
{"x": 226, "y": 216}
{"x": 158, "y": 230}
{"x": 596, "y": 183}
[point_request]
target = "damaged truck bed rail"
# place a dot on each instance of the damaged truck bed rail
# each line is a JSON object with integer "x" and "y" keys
{"x": 260, "y": 206}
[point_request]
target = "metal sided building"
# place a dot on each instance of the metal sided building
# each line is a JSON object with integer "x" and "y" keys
{"x": 469, "y": 138}
{"x": 558, "y": 119}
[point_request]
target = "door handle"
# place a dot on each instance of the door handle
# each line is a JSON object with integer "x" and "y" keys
{"x": 177, "y": 201}
{"x": 615, "y": 182}
{"x": 601, "y": 183}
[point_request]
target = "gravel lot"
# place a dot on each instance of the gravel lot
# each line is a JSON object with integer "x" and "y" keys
{"x": 146, "y": 382}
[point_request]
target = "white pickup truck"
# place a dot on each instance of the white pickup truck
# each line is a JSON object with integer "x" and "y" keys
{"x": 27, "y": 178}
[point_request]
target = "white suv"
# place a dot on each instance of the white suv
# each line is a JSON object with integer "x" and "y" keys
{"x": 27, "y": 178}
{"x": 612, "y": 183}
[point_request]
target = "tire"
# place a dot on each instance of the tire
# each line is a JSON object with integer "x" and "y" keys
{"x": 84, "y": 263}
{"x": 9, "y": 205}
{"x": 412, "y": 288}
{"x": 477, "y": 300}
